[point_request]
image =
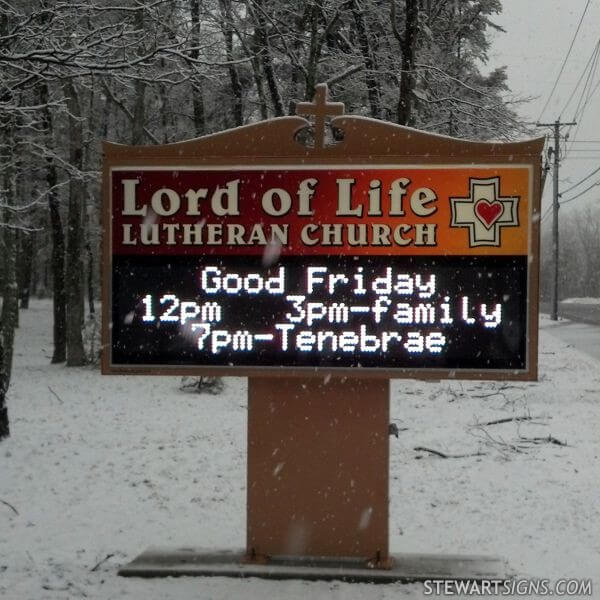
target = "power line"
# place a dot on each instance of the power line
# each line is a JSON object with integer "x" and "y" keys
{"x": 588, "y": 158}
{"x": 548, "y": 211}
{"x": 581, "y": 181}
{"x": 590, "y": 93}
{"x": 586, "y": 93}
{"x": 562, "y": 68}
{"x": 594, "y": 91}
{"x": 580, "y": 193}
{"x": 589, "y": 62}
{"x": 586, "y": 88}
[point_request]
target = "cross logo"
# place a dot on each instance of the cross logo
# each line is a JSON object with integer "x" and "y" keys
{"x": 320, "y": 108}
{"x": 485, "y": 212}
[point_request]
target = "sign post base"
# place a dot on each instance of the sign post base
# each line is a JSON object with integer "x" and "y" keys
{"x": 405, "y": 568}
{"x": 318, "y": 461}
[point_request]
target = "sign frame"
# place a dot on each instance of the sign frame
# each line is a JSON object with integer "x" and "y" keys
{"x": 362, "y": 146}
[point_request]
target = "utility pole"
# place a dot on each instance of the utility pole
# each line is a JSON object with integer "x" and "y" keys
{"x": 555, "y": 205}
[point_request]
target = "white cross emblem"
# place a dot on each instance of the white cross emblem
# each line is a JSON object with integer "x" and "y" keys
{"x": 485, "y": 212}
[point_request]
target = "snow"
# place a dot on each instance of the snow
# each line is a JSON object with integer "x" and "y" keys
{"x": 100, "y": 466}
{"x": 584, "y": 337}
{"x": 581, "y": 301}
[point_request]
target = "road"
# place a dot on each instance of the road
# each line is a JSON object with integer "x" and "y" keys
{"x": 582, "y": 313}
{"x": 578, "y": 325}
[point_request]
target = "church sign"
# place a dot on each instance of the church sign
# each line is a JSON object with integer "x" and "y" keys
{"x": 392, "y": 253}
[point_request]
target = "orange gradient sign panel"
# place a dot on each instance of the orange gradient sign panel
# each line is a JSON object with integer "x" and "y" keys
{"x": 329, "y": 210}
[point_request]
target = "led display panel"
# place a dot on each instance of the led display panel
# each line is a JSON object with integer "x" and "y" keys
{"x": 402, "y": 269}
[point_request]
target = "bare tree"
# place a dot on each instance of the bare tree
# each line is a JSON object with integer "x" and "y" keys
{"x": 370, "y": 70}
{"x": 57, "y": 233}
{"x": 407, "y": 43}
{"x": 74, "y": 257}
{"x": 10, "y": 306}
{"x": 236, "y": 86}
{"x": 197, "y": 93}
{"x": 4, "y": 383}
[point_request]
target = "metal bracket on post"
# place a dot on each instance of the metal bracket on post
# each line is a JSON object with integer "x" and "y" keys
{"x": 253, "y": 558}
{"x": 380, "y": 562}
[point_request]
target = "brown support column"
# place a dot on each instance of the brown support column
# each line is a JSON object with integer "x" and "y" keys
{"x": 318, "y": 460}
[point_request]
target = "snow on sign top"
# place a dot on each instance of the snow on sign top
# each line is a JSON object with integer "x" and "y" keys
{"x": 378, "y": 251}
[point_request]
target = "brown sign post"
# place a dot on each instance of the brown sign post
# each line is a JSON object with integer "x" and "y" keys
{"x": 320, "y": 269}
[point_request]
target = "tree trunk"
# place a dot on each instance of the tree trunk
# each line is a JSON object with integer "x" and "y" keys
{"x": 58, "y": 240}
{"x": 74, "y": 279}
{"x": 17, "y": 191}
{"x": 4, "y": 376}
{"x": 4, "y": 424}
{"x": 10, "y": 303}
{"x": 16, "y": 243}
{"x": 258, "y": 78}
{"x": 34, "y": 282}
{"x": 90, "y": 278}
{"x": 26, "y": 267}
{"x": 139, "y": 113}
{"x": 58, "y": 237}
{"x": 407, "y": 76}
{"x": 297, "y": 74}
{"x": 236, "y": 86}
{"x": 313, "y": 54}
{"x": 197, "y": 95}
{"x": 263, "y": 46}
{"x": 139, "y": 108}
{"x": 371, "y": 80}
{"x": 86, "y": 214}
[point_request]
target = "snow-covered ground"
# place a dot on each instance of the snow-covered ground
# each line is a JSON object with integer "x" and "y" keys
{"x": 584, "y": 337}
{"x": 581, "y": 301}
{"x": 103, "y": 467}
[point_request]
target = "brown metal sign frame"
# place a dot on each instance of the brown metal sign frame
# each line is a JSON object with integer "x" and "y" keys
{"x": 366, "y": 142}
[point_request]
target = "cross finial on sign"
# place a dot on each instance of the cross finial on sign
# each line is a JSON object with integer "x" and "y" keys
{"x": 320, "y": 108}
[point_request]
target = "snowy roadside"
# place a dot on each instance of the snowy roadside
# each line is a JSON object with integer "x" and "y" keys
{"x": 100, "y": 466}
{"x": 581, "y": 301}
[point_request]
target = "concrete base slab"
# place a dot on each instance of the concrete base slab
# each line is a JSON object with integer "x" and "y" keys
{"x": 164, "y": 562}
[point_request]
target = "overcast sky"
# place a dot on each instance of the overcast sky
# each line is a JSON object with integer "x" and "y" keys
{"x": 537, "y": 38}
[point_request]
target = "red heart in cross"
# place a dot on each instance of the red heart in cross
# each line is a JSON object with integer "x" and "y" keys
{"x": 488, "y": 212}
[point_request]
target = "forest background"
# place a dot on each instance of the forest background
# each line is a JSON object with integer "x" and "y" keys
{"x": 73, "y": 74}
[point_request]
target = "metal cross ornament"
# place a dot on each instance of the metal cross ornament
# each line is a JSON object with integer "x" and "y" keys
{"x": 320, "y": 108}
